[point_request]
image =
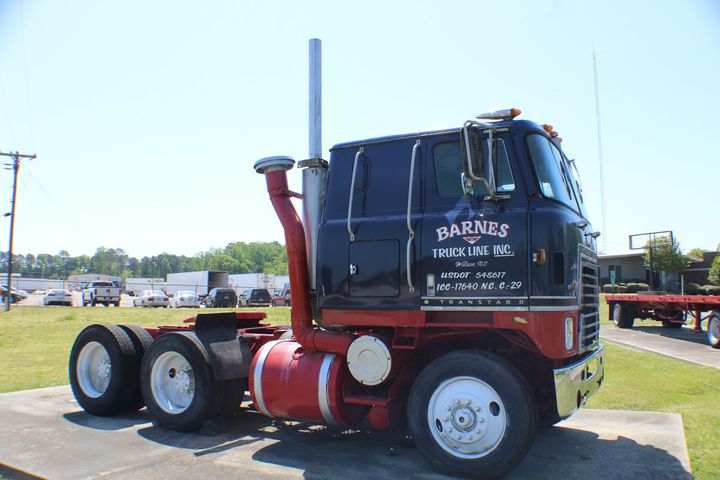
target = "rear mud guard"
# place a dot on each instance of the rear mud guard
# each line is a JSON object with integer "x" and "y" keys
{"x": 230, "y": 356}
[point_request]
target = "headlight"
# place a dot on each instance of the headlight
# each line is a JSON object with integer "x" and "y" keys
{"x": 569, "y": 336}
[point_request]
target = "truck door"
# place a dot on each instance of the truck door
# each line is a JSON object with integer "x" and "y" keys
{"x": 362, "y": 250}
{"x": 474, "y": 249}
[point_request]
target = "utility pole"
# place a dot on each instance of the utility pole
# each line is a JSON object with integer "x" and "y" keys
{"x": 17, "y": 157}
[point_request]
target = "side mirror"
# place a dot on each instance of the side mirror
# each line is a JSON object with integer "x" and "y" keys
{"x": 472, "y": 152}
{"x": 477, "y": 165}
{"x": 467, "y": 185}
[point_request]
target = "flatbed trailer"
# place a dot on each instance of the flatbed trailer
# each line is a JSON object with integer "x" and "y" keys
{"x": 671, "y": 310}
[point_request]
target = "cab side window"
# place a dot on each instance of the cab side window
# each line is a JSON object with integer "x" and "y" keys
{"x": 448, "y": 163}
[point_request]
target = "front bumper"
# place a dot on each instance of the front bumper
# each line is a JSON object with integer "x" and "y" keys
{"x": 576, "y": 383}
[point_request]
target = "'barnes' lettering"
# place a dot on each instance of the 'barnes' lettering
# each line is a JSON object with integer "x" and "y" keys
{"x": 473, "y": 227}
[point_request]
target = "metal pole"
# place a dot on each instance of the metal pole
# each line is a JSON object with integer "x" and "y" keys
{"x": 315, "y": 99}
{"x": 16, "y": 168}
{"x": 600, "y": 156}
{"x": 652, "y": 273}
{"x": 16, "y": 156}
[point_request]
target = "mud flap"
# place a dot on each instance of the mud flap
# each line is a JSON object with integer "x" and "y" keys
{"x": 230, "y": 355}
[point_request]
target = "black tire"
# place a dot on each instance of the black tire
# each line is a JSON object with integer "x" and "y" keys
{"x": 92, "y": 301}
{"x": 287, "y": 303}
{"x": 713, "y": 330}
{"x": 488, "y": 398}
{"x": 622, "y": 314}
{"x": 117, "y": 304}
{"x": 207, "y": 396}
{"x": 141, "y": 341}
{"x": 123, "y": 374}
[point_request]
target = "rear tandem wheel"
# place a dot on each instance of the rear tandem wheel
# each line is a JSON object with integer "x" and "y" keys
{"x": 179, "y": 386}
{"x": 103, "y": 369}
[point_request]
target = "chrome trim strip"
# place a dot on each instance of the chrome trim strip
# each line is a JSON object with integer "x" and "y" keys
{"x": 475, "y": 298}
{"x": 257, "y": 376}
{"x": 569, "y": 308}
{"x": 475, "y": 309}
{"x": 323, "y": 384}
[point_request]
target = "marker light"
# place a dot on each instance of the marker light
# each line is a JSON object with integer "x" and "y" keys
{"x": 547, "y": 127}
{"x": 559, "y": 139}
{"x": 553, "y": 133}
{"x": 505, "y": 114}
{"x": 569, "y": 337}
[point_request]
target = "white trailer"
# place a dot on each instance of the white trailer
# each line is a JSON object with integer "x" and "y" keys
{"x": 133, "y": 286}
{"x": 199, "y": 282}
{"x": 243, "y": 281}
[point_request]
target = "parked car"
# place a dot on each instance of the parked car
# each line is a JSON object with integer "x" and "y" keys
{"x": 151, "y": 298}
{"x": 282, "y": 298}
{"x": 58, "y": 296}
{"x": 184, "y": 298}
{"x": 257, "y": 297}
{"x": 102, "y": 292}
{"x": 221, "y": 298}
{"x": 14, "y": 297}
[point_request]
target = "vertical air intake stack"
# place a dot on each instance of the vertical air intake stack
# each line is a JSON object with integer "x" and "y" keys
{"x": 315, "y": 169}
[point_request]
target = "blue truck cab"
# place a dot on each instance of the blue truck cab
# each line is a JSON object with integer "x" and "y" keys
{"x": 405, "y": 228}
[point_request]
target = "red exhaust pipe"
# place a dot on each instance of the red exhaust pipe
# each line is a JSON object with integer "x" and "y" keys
{"x": 310, "y": 337}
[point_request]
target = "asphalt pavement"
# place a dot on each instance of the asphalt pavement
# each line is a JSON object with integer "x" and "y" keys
{"x": 680, "y": 343}
{"x": 45, "y": 434}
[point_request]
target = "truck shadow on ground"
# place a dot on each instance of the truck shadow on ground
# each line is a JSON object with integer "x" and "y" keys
{"x": 685, "y": 333}
{"x": 327, "y": 452}
{"x": 116, "y": 422}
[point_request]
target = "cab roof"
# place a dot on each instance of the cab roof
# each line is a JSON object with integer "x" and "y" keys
{"x": 511, "y": 124}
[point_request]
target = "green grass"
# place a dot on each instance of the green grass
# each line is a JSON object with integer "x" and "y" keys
{"x": 35, "y": 344}
{"x": 649, "y": 382}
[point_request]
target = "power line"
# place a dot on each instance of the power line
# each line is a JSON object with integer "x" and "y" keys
{"x": 15, "y": 166}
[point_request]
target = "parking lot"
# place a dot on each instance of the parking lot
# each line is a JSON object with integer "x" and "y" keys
{"x": 36, "y": 300}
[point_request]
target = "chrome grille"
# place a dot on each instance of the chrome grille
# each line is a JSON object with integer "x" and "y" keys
{"x": 589, "y": 320}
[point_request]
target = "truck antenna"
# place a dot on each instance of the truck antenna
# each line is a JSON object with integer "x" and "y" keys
{"x": 600, "y": 156}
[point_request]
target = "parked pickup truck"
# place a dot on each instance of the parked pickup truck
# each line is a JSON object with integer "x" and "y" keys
{"x": 101, "y": 292}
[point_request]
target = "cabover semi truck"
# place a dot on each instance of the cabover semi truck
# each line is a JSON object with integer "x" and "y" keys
{"x": 444, "y": 281}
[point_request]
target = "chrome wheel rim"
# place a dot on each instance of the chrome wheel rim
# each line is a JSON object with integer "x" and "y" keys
{"x": 93, "y": 369}
{"x": 466, "y": 417}
{"x": 714, "y": 330}
{"x": 172, "y": 382}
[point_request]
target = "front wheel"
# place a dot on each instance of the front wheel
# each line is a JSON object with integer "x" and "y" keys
{"x": 472, "y": 414}
{"x": 713, "y": 330}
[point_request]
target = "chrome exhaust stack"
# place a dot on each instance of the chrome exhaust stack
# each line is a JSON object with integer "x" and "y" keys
{"x": 315, "y": 169}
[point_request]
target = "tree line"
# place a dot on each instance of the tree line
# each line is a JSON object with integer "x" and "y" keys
{"x": 236, "y": 257}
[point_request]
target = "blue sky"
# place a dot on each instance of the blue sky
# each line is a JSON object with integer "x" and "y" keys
{"x": 147, "y": 116}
